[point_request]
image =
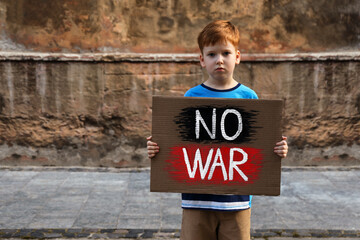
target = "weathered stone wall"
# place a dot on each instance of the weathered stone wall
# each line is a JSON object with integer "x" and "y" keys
{"x": 99, "y": 113}
{"x": 90, "y": 114}
{"x": 172, "y": 25}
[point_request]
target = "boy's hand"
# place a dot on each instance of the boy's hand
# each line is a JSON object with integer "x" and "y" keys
{"x": 152, "y": 148}
{"x": 281, "y": 148}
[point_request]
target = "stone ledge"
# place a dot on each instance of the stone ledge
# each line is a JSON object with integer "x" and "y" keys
{"x": 174, "y": 57}
{"x": 166, "y": 233}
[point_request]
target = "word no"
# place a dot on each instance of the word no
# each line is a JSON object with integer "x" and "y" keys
{"x": 200, "y": 120}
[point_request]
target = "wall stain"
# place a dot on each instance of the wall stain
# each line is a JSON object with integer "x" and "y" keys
{"x": 173, "y": 26}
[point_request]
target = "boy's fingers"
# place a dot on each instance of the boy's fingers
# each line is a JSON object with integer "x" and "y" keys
{"x": 281, "y": 154}
{"x": 150, "y": 143}
{"x": 281, "y": 150}
{"x": 281, "y": 147}
{"x": 281, "y": 143}
{"x": 153, "y": 147}
{"x": 153, "y": 150}
{"x": 151, "y": 155}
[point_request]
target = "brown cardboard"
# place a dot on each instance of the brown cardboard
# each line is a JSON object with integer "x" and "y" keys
{"x": 237, "y": 158}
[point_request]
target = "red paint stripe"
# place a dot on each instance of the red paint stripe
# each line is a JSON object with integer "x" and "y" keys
{"x": 178, "y": 170}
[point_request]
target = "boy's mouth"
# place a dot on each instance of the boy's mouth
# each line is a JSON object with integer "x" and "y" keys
{"x": 220, "y": 69}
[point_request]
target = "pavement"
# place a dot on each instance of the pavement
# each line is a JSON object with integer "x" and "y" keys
{"x": 68, "y": 203}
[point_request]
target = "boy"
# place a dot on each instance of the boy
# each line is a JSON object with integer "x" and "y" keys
{"x": 208, "y": 216}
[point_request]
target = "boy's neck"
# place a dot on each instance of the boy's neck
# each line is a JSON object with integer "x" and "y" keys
{"x": 221, "y": 85}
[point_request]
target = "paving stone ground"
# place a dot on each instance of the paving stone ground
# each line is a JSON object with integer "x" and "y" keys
{"x": 271, "y": 238}
{"x": 111, "y": 203}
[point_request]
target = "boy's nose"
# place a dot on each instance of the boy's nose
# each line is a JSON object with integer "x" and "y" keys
{"x": 219, "y": 60}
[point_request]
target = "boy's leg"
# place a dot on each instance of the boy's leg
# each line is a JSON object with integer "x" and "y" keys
{"x": 198, "y": 225}
{"x": 235, "y": 225}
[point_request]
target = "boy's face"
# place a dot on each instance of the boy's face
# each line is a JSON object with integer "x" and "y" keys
{"x": 220, "y": 60}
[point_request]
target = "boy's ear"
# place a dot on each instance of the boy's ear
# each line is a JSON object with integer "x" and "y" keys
{"x": 202, "y": 63}
{"x": 238, "y": 57}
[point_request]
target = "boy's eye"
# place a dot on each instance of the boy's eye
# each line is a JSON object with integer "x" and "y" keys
{"x": 211, "y": 54}
{"x": 226, "y": 53}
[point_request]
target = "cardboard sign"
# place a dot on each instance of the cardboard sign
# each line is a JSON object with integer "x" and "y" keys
{"x": 216, "y": 145}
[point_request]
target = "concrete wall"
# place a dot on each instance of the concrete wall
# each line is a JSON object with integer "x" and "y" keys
{"x": 99, "y": 113}
{"x": 76, "y": 77}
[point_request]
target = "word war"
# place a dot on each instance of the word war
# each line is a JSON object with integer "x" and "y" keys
{"x": 203, "y": 170}
{"x": 215, "y": 164}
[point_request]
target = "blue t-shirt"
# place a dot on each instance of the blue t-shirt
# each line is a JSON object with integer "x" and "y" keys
{"x": 212, "y": 201}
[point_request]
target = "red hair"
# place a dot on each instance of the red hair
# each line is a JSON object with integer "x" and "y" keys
{"x": 220, "y": 31}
